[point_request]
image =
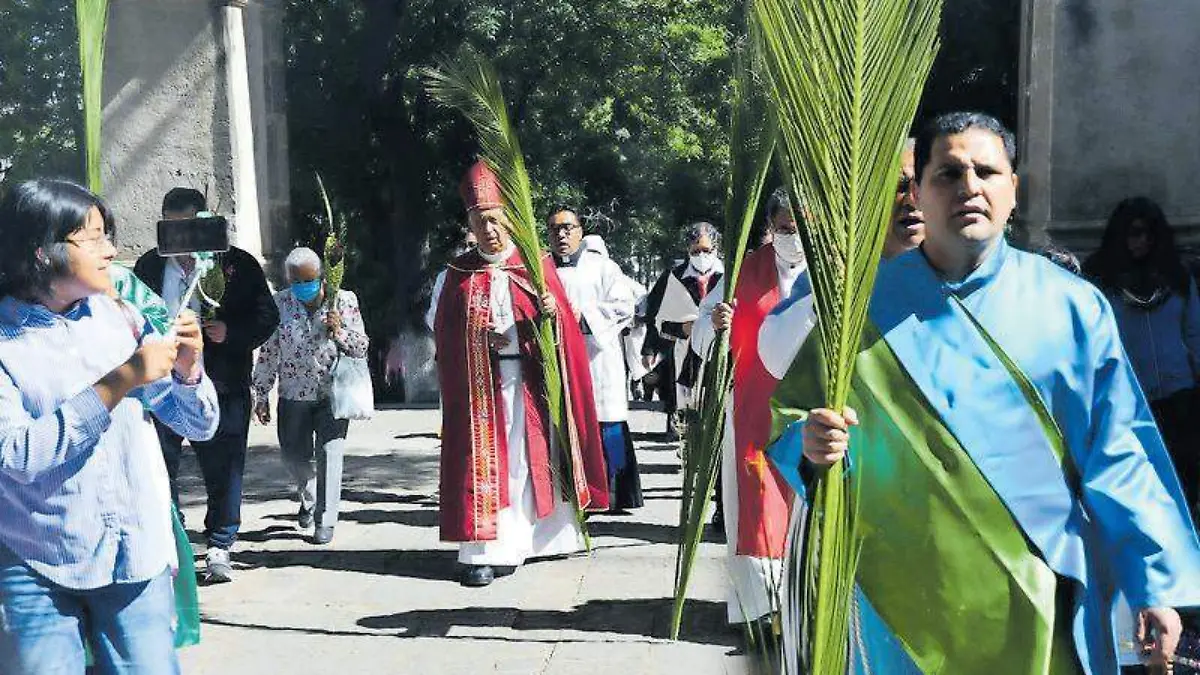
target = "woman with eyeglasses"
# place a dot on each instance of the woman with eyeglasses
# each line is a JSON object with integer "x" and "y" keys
{"x": 1158, "y": 313}
{"x": 86, "y": 545}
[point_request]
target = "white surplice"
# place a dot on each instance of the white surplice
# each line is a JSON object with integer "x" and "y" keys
{"x": 598, "y": 291}
{"x": 519, "y": 534}
{"x": 754, "y": 581}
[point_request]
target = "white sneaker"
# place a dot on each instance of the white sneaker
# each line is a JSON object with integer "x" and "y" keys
{"x": 217, "y": 566}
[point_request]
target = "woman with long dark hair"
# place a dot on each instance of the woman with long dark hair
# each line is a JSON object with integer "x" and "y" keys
{"x": 86, "y": 545}
{"x": 1158, "y": 313}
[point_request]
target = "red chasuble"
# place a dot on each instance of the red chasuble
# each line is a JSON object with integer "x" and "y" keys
{"x": 474, "y": 467}
{"x": 764, "y": 500}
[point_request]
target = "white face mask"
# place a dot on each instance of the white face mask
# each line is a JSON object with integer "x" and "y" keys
{"x": 788, "y": 248}
{"x": 703, "y": 262}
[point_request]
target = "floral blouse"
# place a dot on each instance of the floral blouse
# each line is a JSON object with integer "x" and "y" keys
{"x": 301, "y": 354}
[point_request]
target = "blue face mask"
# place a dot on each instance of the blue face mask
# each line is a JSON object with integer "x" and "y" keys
{"x": 306, "y": 291}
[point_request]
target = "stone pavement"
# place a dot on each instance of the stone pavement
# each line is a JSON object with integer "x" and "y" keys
{"x": 383, "y": 597}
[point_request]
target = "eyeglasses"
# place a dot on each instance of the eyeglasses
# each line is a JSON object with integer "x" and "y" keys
{"x": 564, "y": 227}
{"x": 94, "y": 244}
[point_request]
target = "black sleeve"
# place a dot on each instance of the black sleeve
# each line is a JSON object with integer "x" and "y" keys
{"x": 674, "y": 329}
{"x": 251, "y": 315}
{"x": 148, "y": 269}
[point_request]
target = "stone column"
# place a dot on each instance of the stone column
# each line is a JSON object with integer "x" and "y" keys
{"x": 241, "y": 127}
{"x": 1110, "y": 109}
{"x": 180, "y": 109}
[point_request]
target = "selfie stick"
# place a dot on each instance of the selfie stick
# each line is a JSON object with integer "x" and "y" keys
{"x": 197, "y": 274}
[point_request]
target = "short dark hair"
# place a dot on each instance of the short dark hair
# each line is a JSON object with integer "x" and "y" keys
{"x": 953, "y": 123}
{"x": 778, "y": 201}
{"x": 182, "y": 198}
{"x": 36, "y": 217}
{"x": 559, "y": 208}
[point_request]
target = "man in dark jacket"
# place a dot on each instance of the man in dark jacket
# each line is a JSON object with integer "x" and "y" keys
{"x": 246, "y": 318}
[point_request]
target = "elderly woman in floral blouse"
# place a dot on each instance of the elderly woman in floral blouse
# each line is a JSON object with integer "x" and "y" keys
{"x": 313, "y": 331}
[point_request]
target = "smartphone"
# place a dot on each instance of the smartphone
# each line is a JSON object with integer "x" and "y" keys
{"x": 193, "y": 235}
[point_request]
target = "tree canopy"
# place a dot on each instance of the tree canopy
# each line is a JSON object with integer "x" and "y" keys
{"x": 622, "y": 108}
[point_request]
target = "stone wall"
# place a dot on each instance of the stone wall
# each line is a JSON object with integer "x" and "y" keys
{"x": 1111, "y": 109}
{"x": 166, "y": 114}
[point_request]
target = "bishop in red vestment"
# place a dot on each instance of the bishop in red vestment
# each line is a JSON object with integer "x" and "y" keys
{"x": 499, "y": 494}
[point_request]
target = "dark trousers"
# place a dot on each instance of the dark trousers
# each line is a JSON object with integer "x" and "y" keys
{"x": 308, "y": 430}
{"x": 1175, "y": 416}
{"x": 222, "y": 462}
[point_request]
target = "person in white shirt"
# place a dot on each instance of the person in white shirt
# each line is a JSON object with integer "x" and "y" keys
{"x": 602, "y": 302}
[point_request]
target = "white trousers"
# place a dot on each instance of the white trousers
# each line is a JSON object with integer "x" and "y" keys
{"x": 754, "y": 582}
{"x": 519, "y": 534}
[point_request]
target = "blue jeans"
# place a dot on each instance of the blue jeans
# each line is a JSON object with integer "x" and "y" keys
{"x": 222, "y": 462}
{"x": 43, "y": 626}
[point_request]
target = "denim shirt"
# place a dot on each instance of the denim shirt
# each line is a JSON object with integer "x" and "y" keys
{"x": 1163, "y": 344}
{"x": 84, "y": 499}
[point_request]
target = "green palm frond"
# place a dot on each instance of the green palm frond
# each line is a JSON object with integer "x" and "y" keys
{"x": 468, "y": 83}
{"x": 846, "y": 79}
{"x": 334, "y": 255}
{"x": 752, "y": 144}
{"x": 91, "y": 17}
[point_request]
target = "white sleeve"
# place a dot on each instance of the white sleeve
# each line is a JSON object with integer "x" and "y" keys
{"x": 703, "y": 332}
{"x": 785, "y": 329}
{"x": 617, "y": 302}
{"x": 431, "y": 313}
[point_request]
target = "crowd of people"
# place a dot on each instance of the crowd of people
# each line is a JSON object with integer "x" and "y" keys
{"x": 1022, "y": 435}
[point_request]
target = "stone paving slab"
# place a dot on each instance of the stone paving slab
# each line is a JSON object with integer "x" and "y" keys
{"x": 383, "y": 597}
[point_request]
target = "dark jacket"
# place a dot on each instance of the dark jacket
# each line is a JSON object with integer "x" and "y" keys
{"x": 248, "y": 309}
{"x": 662, "y": 341}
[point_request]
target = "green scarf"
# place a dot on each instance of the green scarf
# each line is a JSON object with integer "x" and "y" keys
{"x": 943, "y": 561}
{"x": 131, "y": 290}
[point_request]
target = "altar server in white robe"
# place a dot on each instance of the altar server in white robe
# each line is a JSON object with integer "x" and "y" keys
{"x": 603, "y": 303}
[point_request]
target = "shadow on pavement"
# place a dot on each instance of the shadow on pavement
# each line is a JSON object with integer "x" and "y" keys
{"x": 423, "y": 518}
{"x": 648, "y": 532}
{"x": 434, "y": 565}
{"x": 418, "y": 434}
{"x": 212, "y": 621}
{"x": 266, "y": 479}
{"x": 379, "y": 497}
{"x": 704, "y": 620}
{"x": 659, "y": 469}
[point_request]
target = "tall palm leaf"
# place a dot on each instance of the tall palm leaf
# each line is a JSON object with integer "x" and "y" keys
{"x": 847, "y": 77}
{"x": 91, "y": 17}
{"x": 752, "y": 144}
{"x": 334, "y": 256}
{"x": 468, "y": 83}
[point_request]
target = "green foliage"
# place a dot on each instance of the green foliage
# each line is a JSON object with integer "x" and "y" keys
{"x": 617, "y": 114}
{"x": 846, "y": 78}
{"x": 41, "y": 126}
{"x": 91, "y": 18}
{"x": 333, "y": 261}
{"x": 752, "y": 145}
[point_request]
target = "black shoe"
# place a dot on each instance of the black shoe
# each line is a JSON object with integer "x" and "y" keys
{"x": 504, "y": 570}
{"x": 323, "y": 535}
{"x": 304, "y": 519}
{"x": 478, "y": 576}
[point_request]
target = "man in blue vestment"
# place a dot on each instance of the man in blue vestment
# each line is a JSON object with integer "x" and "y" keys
{"x": 1013, "y": 483}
